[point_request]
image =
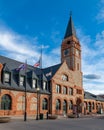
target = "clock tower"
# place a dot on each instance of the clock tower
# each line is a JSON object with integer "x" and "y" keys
{"x": 70, "y": 48}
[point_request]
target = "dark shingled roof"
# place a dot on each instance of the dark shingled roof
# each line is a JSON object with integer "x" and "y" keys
{"x": 88, "y": 95}
{"x": 70, "y": 29}
{"x": 50, "y": 71}
{"x": 11, "y": 65}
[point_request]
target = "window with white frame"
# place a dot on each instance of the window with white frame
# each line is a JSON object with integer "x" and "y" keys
{"x": 22, "y": 80}
{"x": 44, "y": 85}
{"x": 58, "y": 88}
{"x": 7, "y": 77}
{"x": 34, "y": 83}
{"x": 64, "y": 90}
{"x": 70, "y": 91}
{"x": 64, "y": 77}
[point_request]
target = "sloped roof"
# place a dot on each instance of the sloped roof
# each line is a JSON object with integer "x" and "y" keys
{"x": 88, "y": 95}
{"x": 70, "y": 30}
{"x": 11, "y": 66}
{"x": 50, "y": 71}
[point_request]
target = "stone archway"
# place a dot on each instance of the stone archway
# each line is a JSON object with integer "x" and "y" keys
{"x": 64, "y": 106}
{"x": 89, "y": 107}
{"x": 79, "y": 105}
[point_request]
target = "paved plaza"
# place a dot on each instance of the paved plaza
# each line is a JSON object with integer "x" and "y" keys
{"x": 96, "y": 123}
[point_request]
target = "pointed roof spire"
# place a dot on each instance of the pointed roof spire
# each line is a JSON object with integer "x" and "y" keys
{"x": 70, "y": 28}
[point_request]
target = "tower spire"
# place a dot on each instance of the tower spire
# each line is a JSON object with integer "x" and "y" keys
{"x": 70, "y": 30}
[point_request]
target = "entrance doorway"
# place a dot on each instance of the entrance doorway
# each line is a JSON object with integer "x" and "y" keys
{"x": 64, "y": 107}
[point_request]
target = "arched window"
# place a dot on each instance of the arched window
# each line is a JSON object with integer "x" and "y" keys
{"x": 44, "y": 104}
{"x": 93, "y": 106}
{"x": 58, "y": 104}
{"x": 64, "y": 77}
{"x": 6, "y": 102}
{"x": 64, "y": 106}
{"x": 58, "y": 88}
{"x": 70, "y": 105}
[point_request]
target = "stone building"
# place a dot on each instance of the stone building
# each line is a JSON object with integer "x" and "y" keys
{"x": 57, "y": 89}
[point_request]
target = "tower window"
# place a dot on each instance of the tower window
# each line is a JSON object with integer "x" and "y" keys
{"x": 77, "y": 66}
{"x": 68, "y": 42}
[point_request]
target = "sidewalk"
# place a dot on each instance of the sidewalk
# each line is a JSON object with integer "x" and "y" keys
{"x": 21, "y": 118}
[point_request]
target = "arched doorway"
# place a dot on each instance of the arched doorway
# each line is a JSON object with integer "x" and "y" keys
{"x": 44, "y": 104}
{"x": 89, "y": 107}
{"x": 85, "y": 107}
{"x": 79, "y": 106}
{"x": 6, "y": 102}
{"x": 64, "y": 107}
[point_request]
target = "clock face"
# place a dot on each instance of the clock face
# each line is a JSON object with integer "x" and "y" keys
{"x": 77, "y": 52}
{"x": 66, "y": 52}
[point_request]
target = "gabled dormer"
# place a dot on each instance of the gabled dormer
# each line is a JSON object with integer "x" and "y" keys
{"x": 6, "y": 78}
{"x": 32, "y": 79}
{"x": 20, "y": 77}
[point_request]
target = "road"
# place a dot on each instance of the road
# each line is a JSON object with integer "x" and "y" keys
{"x": 59, "y": 124}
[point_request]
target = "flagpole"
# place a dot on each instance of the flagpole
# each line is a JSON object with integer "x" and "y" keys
{"x": 25, "y": 112}
{"x": 41, "y": 58}
{"x": 41, "y": 83}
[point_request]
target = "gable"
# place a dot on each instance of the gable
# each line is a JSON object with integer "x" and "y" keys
{"x": 64, "y": 70}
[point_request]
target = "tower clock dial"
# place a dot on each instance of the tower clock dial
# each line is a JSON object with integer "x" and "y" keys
{"x": 66, "y": 52}
{"x": 77, "y": 52}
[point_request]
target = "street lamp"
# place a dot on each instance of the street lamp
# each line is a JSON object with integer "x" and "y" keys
{"x": 38, "y": 89}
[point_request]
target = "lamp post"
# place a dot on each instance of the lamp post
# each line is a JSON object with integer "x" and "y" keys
{"x": 38, "y": 89}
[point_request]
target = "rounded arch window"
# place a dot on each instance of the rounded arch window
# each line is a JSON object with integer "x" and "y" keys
{"x": 44, "y": 104}
{"x": 70, "y": 105}
{"x": 6, "y": 102}
{"x": 64, "y": 77}
{"x": 93, "y": 106}
{"x": 58, "y": 104}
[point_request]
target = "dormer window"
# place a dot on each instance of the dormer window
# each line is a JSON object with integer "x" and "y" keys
{"x": 22, "y": 80}
{"x": 44, "y": 85}
{"x": 64, "y": 77}
{"x": 7, "y": 77}
{"x": 34, "y": 83}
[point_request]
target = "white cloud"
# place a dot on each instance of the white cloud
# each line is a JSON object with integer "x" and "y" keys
{"x": 57, "y": 51}
{"x": 21, "y": 48}
{"x": 100, "y": 14}
{"x": 92, "y": 61}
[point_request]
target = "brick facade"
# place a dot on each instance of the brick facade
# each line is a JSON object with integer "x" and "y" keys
{"x": 64, "y": 93}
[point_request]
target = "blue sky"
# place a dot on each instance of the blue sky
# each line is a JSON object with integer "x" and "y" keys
{"x": 25, "y": 25}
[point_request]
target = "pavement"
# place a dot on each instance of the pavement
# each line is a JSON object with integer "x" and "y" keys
{"x": 82, "y": 123}
{"x": 59, "y": 117}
